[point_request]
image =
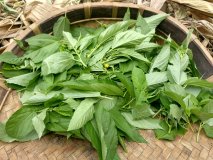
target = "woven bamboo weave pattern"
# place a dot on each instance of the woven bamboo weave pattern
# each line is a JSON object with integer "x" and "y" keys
{"x": 53, "y": 147}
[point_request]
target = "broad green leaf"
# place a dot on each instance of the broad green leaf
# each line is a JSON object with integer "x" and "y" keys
{"x": 147, "y": 46}
{"x": 103, "y": 86}
{"x": 127, "y": 15}
{"x": 62, "y": 24}
{"x": 142, "y": 110}
{"x": 57, "y": 63}
{"x": 124, "y": 126}
{"x": 108, "y": 104}
{"x": 38, "y": 97}
{"x": 57, "y": 122}
{"x": 85, "y": 76}
{"x": 107, "y": 132}
{"x": 140, "y": 85}
{"x": 14, "y": 73}
{"x": 92, "y": 136}
{"x": 141, "y": 25}
{"x": 176, "y": 72}
{"x": 175, "y": 111}
{"x": 40, "y": 40}
{"x": 147, "y": 123}
{"x": 99, "y": 53}
{"x": 208, "y": 130}
{"x": 176, "y": 97}
{"x": 23, "y": 80}
{"x": 127, "y": 38}
{"x": 165, "y": 133}
{"x": 195, "y": 91}
{"x": 199, "y": 83}
{"x": 20, "y": 124}
{"x": 187, "y": 40}
{"x": 3, "y": 134}
{"x": 85, "y": 42}
{"x": 112, "y": 30}
{"x": 155, "y": 20}
{"x": 82, "y": 114}
{"x": 61, "y": 77}
{"x": 161, "y": 60}
{"x": 133, "y": 54}
{"x": 64, "y": 110}
{"x": 72, "y": 42}
{"x": 209, "y": 122}
{"x": 38, "y": 122}
{"x": 72, "y": 103}
{"x": 9, "y": 57}
{"x": 127, "y": 83}
{"x": 154, "y": 78}
{"x": 39, "y": 54}
{"x": 175, "y": 89}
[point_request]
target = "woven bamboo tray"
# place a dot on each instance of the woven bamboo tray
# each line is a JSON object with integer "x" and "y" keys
{"x": 52, "y": 147}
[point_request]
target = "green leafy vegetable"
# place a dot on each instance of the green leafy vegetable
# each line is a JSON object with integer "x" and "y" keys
{"x": 103, "y": 84}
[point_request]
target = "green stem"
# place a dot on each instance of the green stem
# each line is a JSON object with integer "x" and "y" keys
{"x": 157, "y": 112}
{"x": 198, "y": 133}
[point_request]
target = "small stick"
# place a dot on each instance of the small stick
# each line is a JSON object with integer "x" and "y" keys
{"x": 4, "y": 99}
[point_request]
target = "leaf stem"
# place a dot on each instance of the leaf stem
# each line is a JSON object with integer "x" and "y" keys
{"x": 157, "y": 112}
{"x": 198, "y": 133}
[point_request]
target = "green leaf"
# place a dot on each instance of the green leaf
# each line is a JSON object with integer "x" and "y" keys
{"x": 175, "y": 89}
{"x": 142, "y": 110}
{"x": 107, "y": 132}
{"x": 85, "y": 42}
{"x": 176, "y": 70}
{"x": 112, "y": 30}
{"x": 38, "y": 122}
{"x": 57, "y": 122}
{"x": 40, "y": 40}
{"x": 127, "y": 15}
{"x": 175, "y": 112}
{"x": 23, "y": 80}
{"x": 62, "y": 24}
{"x": 65, "y": 110}
{"x": 161, "y": 60}
{"x": 93, "y": 137}
{"x": 20, "y": 124}
{"x": 72, "y": 42}
{"x": 199, "y": 83}
{"x": 57, "y": 63}
{"x": 134, "y": 54}
{"x": 127, "y": 38}
{"x": 176, "y": 97}
{"x": 209, "y": 122}
{"x": 9, "y": 57}
{"x": 100, "y": 53}
{"x": 39, "y": 54}
{"x": 140, "y": 84}
{"x": 141, "y": 25}
{"x": 82, "y": 114}
{"x": 154, "y": 78}
{"x": 103, "y": 86}
{"x": 165, "y": 133}
{"x": 155, "y": 20}
{"x": 127, "y": 83}
{"x": 3, "y": 134}
{"x": 208, "y": 130}
{"x": 147, "y": 123}
{"x": 124, "y": 126}
{"x": 146, "y": 46}
{"x": 187, "y": 40}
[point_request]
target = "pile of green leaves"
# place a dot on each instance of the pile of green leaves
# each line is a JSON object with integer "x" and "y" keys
{"x": 103, "y": 84}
